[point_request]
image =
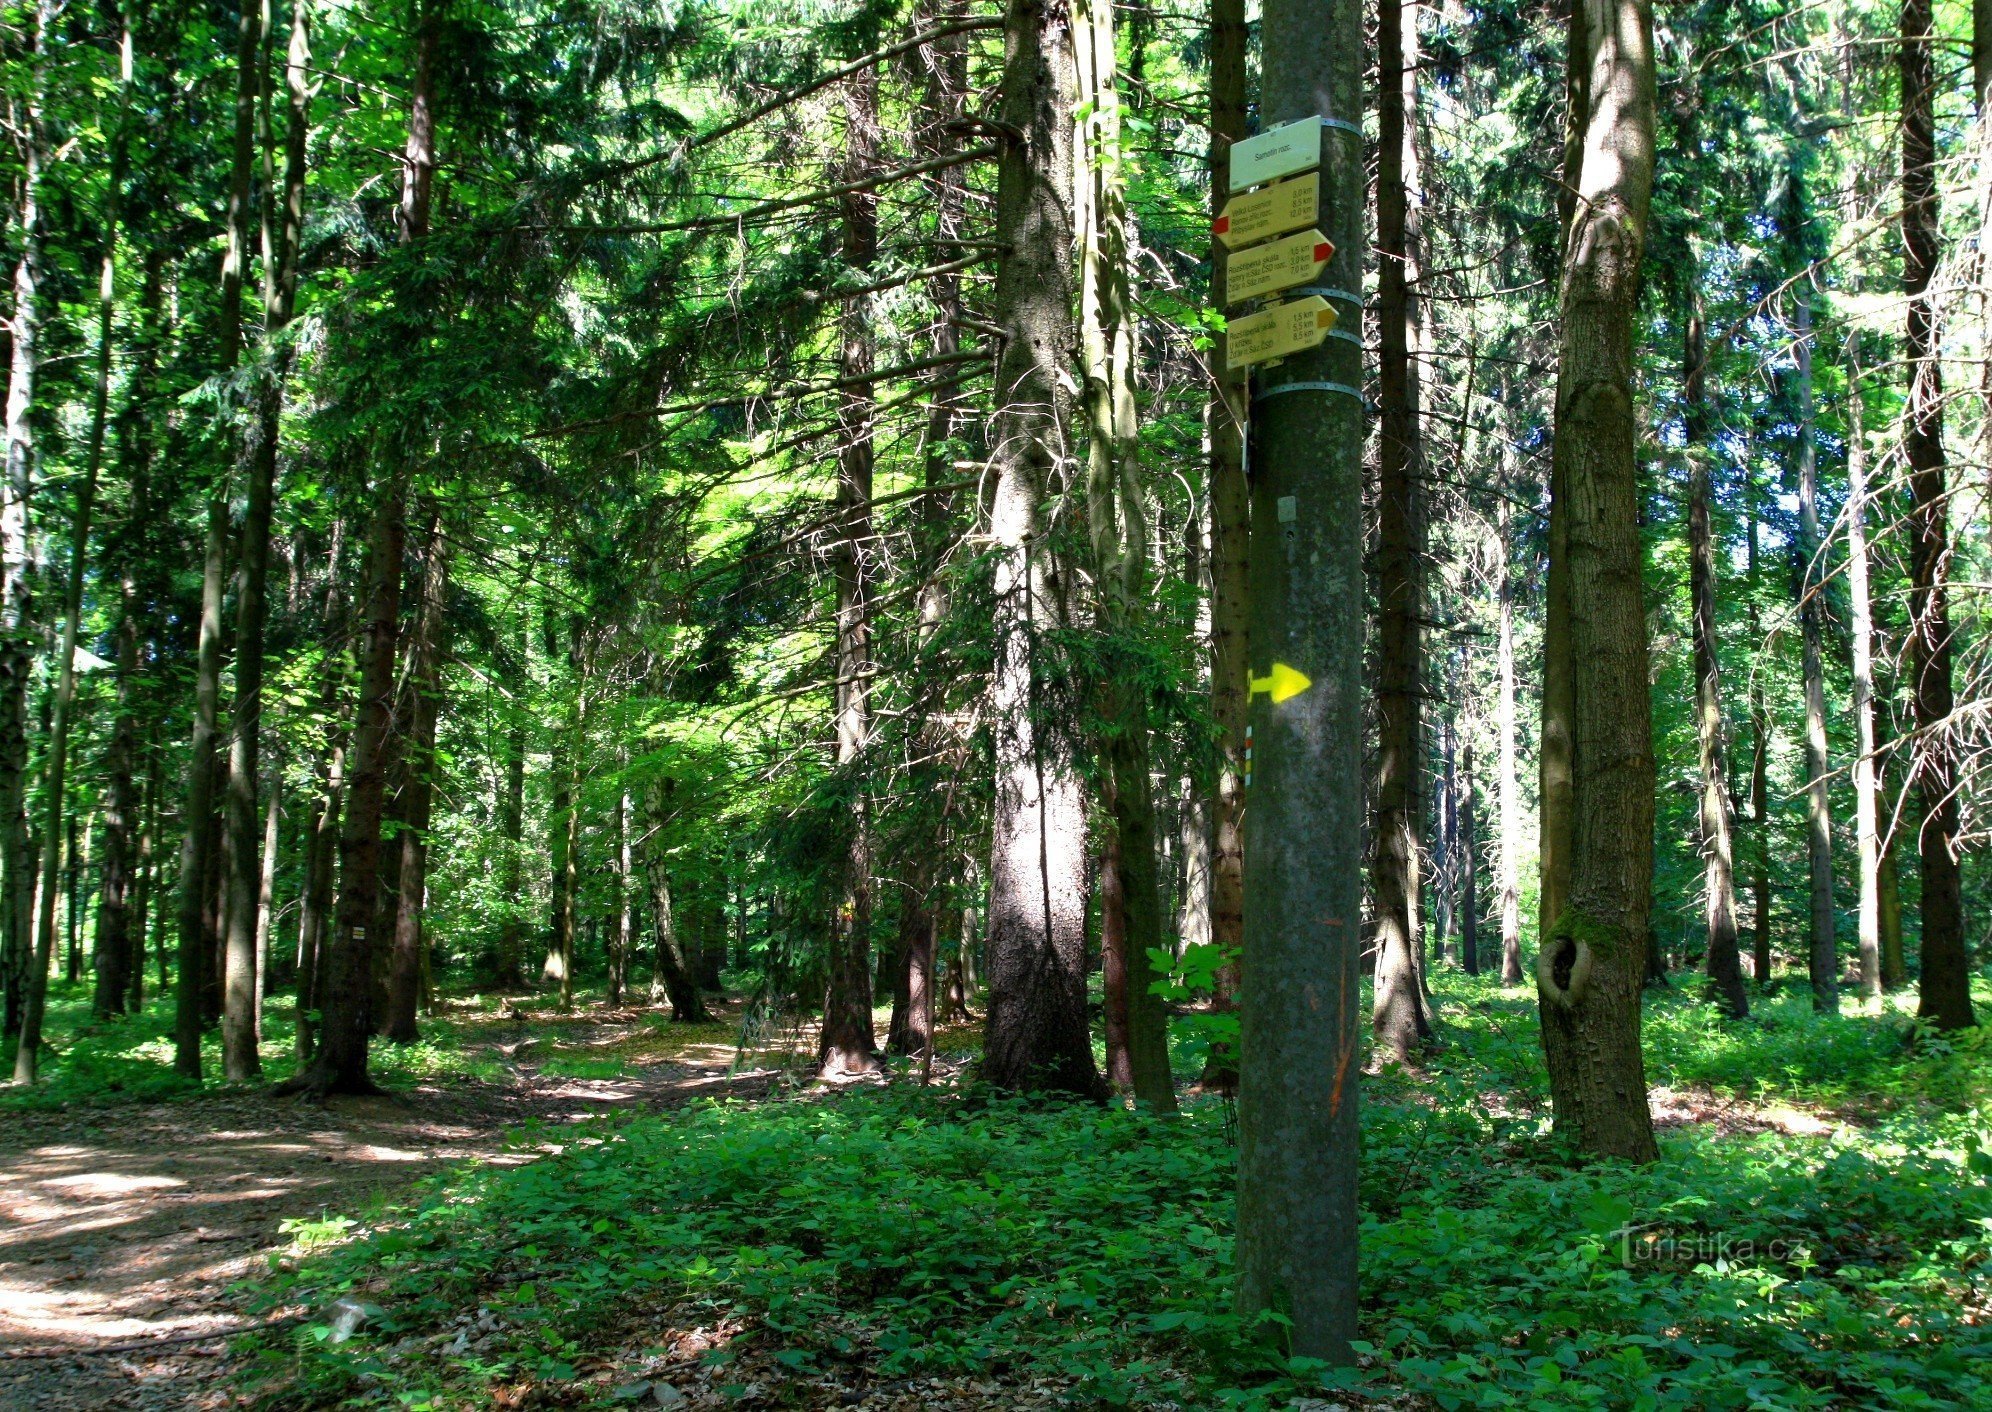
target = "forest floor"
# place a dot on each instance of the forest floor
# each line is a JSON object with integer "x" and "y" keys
{"x": 599, "y": 1208}
{"x": 127, "y": 1229}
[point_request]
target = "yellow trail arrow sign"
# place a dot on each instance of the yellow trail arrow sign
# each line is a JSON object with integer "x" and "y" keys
{"x": 1278, "y": 331}
{"x": 1282, "y": 683}
{"x": 1278, "y": 264}
{"x": 1272, "y": 210}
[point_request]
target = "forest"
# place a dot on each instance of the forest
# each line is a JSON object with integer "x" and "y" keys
{"x": 996, "y": 704}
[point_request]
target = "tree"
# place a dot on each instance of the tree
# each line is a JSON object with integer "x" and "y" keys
{"x": 1402, "y": 1016}
{"x": 1725, "y": 966}
{"x": 1945, "y": 991}
{"x": 1034, "y": 1034}
{"x": 1597, "y": 756}
{"x": 1299, "y": 1066}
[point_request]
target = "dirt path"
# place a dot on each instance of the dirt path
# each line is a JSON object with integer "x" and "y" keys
{"x": 122, "y": 1229}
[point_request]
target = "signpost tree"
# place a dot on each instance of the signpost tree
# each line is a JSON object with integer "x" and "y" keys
{"x": 1304, "y": 808}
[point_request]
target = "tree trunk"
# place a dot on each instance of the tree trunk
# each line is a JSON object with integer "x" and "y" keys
{"x": 512, "y": 825}
{"x": 624, "y": 936}
{"x": 428, "y": 641}
{"x": 1598, "y": 846}
{"x": 17, "y": 853}
{"x": 257, "y": 469}
{"x": 1117, "y": 519}
{"x": 1945, "y": 989}
{"x": 1469, "y": 864}
{"x": 1400, "y": 1017}
{"x": 1510, "y": 787}
{"x": 670, "y": 975}
{"x": 1760, "y": 796}
{"x": 846, "y": 1045}
{"x": 1725, "y": 964}
{"x": 1867, "y": 797}
{"x": 1230, "y": 542}
{"x": 321, "y": 854}
{"x": 1823, "y": 961}
{"x": 1113, "y": 965}
{"x": 1300, "y": 1007}
{"x": 1035, "y": 1032}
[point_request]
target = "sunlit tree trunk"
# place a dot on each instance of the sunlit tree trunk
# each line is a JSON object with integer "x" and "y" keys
{"x": 1510, "y": 783}
{"x": 1867, "y": 799}
{"x": 1035, "y": 1032}
{"x": 17, "y": 853}
{"x": 257, "y": 469}
{"x": 1598, "y": 839}
{"x": 428, "y": 641}
{"x": 1401, "y": 1018}
{"x": 1117, "y": 519}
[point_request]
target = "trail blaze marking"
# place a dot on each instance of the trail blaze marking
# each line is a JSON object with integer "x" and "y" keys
{"x": 1282, "y": 683}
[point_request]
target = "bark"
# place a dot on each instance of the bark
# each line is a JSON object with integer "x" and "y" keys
{"x": 1725, "y": 964}
{"x": 671, "y": 974}
{"x": 1300, "y": 1006}
{"x": 256, "y": 468}
{"x": 1400, "y": 1018}
{"x": 266, "y": 882}
{"x": 846, "y": 1046}
{"x": 512, "y": 825}
{"x": 1035, "y": 1031}
{"x": 1510, "y": 785}
{"x": 1117, "y": 518}
{"x": 1469, "y": 865}
{"x": 1598, "y": 837}
{"x": 1823, "y": 950}
{"x": 625, "y": 901}
{"x": 1760, "y": 795}
{"x": 428, "y": 641}
{"x": 17, "y": 854}
{"x": 1867, "y": 797}
{"x": 321, "y": 854}
{"x": 1230, "y": 537}
{"x": 1113, "y": 965}
{"x": 1945, "y": 986}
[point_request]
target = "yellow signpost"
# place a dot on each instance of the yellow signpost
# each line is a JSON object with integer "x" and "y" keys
{"x": 1278, "y": 264}
{"x": 1269, "y": 211}
{"x": 1278, "y": 331}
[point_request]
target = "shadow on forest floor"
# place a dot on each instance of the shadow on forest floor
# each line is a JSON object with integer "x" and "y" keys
{"x": 122, "y": 1228}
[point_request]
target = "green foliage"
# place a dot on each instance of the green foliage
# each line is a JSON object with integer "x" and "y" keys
{"x": 913, "y": 1231}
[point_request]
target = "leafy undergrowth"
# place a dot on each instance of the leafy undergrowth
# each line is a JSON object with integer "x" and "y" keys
{"x": 129, "y": 1059}
{"x": 883, "y": 1248}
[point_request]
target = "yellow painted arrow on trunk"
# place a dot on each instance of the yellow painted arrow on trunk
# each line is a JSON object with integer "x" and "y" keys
{"x": 1283, "y": 683}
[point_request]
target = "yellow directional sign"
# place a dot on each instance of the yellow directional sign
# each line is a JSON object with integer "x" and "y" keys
{"x": 1283, "y": 683}
{"x": 1278, "y": 331}
{"x": 1273, "y": 210}
{"x": 1276, "y": 152}
{"x": 1278, "y": 264}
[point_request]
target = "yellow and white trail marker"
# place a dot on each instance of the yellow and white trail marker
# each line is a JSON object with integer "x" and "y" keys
{"x": 1278, "y": 264}
{"x": 1278, "y": 331}
{"x": 1274, "y": 210}
{"x": 1282, "y": 683}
